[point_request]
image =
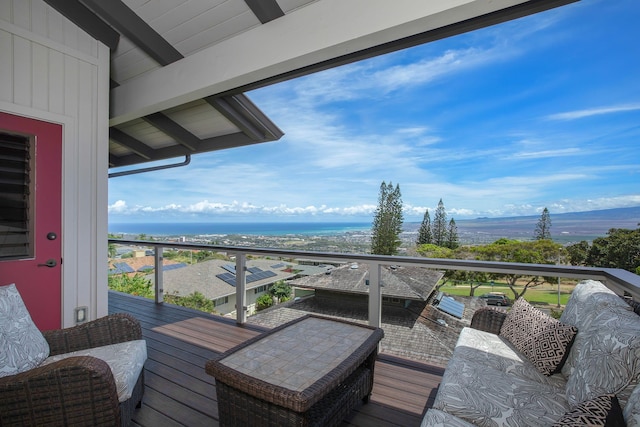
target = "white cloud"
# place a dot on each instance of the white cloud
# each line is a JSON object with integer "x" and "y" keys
{"x": 119, "y": 206}
{"x": 205, "y": 207}
{"x": 580, "y": 114}
{"x": 543, "y": 154}
{"x": 428, "y": 70}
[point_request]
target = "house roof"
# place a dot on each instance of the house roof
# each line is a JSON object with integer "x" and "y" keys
{"x": 413, "y": 283}
{"x": 203, "y": 277}
{"x": 179, "y": 69}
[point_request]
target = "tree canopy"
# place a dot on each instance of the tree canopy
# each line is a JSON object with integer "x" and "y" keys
{"x": 619, "y": 249}
{"x": 543, "y": 228}
{"x": 452, "y": 235}
{"x": 424, "y": 232}
{"x": 387, "y": 222}
{"x": 281, "y": 290}
{"x": 439, "y": 228}
{"x": 438, "y": 232}
{"x": 535, "y": 252}
{"x": 505, "y": 250}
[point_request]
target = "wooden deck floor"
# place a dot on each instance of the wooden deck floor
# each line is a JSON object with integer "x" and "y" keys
{"x": 179, "y": 393}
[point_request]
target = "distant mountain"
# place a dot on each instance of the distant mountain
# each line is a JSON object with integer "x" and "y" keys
{"x": 565, "y": 227}
{"x": 627, "y": 215}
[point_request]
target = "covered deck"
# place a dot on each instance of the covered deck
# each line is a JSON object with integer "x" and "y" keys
{"x": 179, "y": 393}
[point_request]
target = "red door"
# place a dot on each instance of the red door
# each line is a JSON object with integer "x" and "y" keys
{"x": 38, "y": 274}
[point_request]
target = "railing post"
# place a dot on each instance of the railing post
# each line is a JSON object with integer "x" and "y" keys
{"x": 375, "y": 300}
{"x": 159, "y": 289}
{"x": 241, "y": 289}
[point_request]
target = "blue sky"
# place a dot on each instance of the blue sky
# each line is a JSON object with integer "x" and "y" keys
{"x": 539, "y": 112}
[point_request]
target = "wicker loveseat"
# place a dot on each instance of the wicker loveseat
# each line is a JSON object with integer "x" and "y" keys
{"x": 581, "y": 370}
{"x": 91, "y": 375}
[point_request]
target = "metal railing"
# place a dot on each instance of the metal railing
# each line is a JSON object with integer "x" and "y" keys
{"x": 620, "y": 281}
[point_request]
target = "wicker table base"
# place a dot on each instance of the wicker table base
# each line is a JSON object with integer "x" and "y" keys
{"x": 310, "y": 372}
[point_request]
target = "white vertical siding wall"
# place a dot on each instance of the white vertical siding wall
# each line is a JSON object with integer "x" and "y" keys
{"x": 53, "y": 71}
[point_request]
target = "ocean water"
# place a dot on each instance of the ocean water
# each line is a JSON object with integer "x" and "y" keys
{"x": 262, "y": 229}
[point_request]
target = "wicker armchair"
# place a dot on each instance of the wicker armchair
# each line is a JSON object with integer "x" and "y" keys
{"x": 76, "y": 390}
{"x": 488, "y": 319}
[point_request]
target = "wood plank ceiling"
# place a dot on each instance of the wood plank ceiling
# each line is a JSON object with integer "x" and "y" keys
{"x": 145, "y": 35}
{"x": 183, "y": 37}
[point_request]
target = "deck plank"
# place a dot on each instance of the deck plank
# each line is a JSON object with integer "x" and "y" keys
{"x": 178, "y": 392}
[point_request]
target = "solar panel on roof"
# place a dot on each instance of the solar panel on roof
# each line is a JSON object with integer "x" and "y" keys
{"x": 259, "y": 276}
{"x": 254, "y": 277}
{"x": 451, "y": 306}
{"x": 277, "y": 266}
{"x": 230, "y": 268}
{"x": 254, "y": 270}
{"x": 228, "y": 278}
{"x": 122, "y": 267}
{"x": 146, "y": 268}
{"x": 173, "y": 266}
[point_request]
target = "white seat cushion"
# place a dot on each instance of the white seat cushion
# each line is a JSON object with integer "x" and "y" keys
{"x": 21, "y": 343}
{"x": 487, "y": 382}
{"x": 437, "y": 418}
{"x": 126, "y": 361}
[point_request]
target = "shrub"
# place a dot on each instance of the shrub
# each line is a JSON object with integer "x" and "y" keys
{"x": 264, "y": 301}
{"x": 195, "y": 300}
{"x": 281, "y": 290}
{"x": 134, "y": 285}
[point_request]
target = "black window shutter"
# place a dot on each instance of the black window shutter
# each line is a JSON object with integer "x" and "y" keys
{"x": 14, "y": 196}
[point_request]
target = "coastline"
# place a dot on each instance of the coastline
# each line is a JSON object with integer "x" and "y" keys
{"x": 239, "y": 228}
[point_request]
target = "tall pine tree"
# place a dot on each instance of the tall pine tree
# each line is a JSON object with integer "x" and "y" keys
{"x": 424, "y": 233}
{"x": 452, "y": 235}
{"x": 387, "y": 222}
{"x": 439, "y": 228}
{"x": 543, "y": 228}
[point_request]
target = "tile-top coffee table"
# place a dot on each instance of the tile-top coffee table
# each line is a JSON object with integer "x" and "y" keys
{"x": 308, "y": 372}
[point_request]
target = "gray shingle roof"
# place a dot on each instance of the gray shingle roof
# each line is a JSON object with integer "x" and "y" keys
{"x": 201, "y": 277}
{"x": 414, "y": 283}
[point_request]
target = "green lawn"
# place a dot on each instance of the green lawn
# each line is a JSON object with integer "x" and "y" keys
{"x": 541, "y": 295}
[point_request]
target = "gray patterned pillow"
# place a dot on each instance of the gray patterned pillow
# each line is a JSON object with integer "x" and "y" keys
{"x": 22, "y": 346}
{"x": 542, "y": 339}
{"x": 600, "y": 411}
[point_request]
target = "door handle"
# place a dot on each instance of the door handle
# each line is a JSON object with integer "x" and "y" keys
{"x": 50, "y": 263}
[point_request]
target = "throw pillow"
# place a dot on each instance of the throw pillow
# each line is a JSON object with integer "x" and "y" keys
{"x": 600, "y": 411}
{"x": 22, "y": 345}
{"x": 542, "y": 339}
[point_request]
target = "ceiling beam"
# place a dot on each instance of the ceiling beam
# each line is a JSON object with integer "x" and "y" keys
{"x": 174, "y": 130}
{"x": 243, "y": 113}
{"x": 265, "y": 10}
{"x": 122, "y": 18}
{"x": 135, "y": 145}
{"x": 210, "y": 144}
{"x": 112, "y": 159}
{"x": 305, "y": 41}
{"x": 84, "y": 18}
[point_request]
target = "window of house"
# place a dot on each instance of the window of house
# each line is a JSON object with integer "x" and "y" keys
{"x": 15, "y": 197}
{"x": 220, "y": 301}
{"x": 260, "y": 289}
